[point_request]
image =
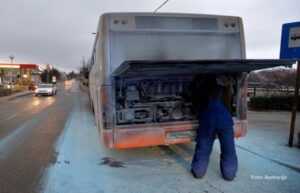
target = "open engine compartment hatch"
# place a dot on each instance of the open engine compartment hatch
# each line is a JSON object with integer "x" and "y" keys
{"x": 192, "y": 67}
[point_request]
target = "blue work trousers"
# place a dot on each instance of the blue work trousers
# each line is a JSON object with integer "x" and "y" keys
{"x": 215, "y": 120}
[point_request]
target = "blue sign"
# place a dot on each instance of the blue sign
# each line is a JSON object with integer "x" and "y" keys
{"x": 290, "y": 41}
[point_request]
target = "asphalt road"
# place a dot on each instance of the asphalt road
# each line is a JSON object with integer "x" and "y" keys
{"x": 29, "y": 126}
{"x": 51, "y": 145}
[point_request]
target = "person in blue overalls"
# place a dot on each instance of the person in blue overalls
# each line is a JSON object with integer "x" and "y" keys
{"x": 214, "y": 120}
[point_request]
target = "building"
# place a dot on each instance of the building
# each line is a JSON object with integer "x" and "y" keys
{"x": 19, "y": 74}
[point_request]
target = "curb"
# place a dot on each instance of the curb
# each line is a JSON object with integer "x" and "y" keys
{"x": 24, "y": 93}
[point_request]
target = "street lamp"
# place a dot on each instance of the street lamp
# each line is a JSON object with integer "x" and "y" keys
{"x": 11, "y": 57}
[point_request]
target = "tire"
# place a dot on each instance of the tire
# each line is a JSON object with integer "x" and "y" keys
{"x": 36, "y": 95}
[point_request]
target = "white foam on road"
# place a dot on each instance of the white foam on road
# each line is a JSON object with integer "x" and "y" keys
{"x": 83, "y": 166}
{"x": 77, "y": 159}
{"x": 80, "y": 153}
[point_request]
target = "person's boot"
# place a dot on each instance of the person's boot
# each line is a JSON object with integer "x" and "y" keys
{"x": 199, "y": 166}
{"x": 229, "y": 167}
{"x": 195, "y": 175}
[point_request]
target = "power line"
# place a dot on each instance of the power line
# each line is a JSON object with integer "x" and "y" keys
{"x": 161, "y": 5}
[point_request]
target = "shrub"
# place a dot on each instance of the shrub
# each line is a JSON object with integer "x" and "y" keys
{"x": 276, "y": 102}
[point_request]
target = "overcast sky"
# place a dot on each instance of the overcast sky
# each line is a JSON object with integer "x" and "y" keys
{"x": 58, "y": 32}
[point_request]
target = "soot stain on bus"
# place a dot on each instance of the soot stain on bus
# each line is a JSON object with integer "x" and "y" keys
{"x": 142, "y": 72}
{"x": 157, "y": 99}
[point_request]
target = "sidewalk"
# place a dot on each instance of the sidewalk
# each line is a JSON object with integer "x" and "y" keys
{"x": 268, "y": 135}
{"x": 19, "y": 94}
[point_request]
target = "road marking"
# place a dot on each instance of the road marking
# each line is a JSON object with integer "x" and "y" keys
{"x": 14, "y": 115}
{"x": 12, "y": 140}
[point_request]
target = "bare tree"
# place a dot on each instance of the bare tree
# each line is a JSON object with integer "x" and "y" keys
{"x": 281, "y": 78}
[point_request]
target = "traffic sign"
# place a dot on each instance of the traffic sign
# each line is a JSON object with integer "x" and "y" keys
{"x": 290, "y": 41}
{"x": 290, "y": 49}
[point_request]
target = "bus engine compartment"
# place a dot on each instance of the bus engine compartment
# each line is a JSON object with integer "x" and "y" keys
{"x": 158, "y": 99}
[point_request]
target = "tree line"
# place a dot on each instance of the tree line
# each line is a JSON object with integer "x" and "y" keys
{"x": 48, "y": 73}
{"x": 279, "y": 77}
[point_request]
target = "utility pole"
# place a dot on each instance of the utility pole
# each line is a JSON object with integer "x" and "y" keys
{"x": 83, "y": 61}
{"x": 47, "y": 68}
{"x": 295, "y": 106}
{"x": 11, "y": 57}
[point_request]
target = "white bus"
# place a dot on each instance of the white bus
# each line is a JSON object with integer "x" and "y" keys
{"x": 142, "y": 63}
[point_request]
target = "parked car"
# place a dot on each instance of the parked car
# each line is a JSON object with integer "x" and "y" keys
{"x": 32, "y": 86}
{"x": 45, "y": 89}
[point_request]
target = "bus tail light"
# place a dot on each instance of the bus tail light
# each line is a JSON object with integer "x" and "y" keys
{"x": 107, "y": 116}
{"x": 105, "y": 100}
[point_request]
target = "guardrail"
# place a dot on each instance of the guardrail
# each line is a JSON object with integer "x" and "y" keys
{"x": 268, "y": 91}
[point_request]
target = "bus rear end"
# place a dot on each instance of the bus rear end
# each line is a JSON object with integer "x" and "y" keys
{"x": 146, "y": 65}
{"x": 157, "y": 109}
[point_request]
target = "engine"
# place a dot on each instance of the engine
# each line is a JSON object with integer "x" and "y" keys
{"x": 152, "y": 100}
